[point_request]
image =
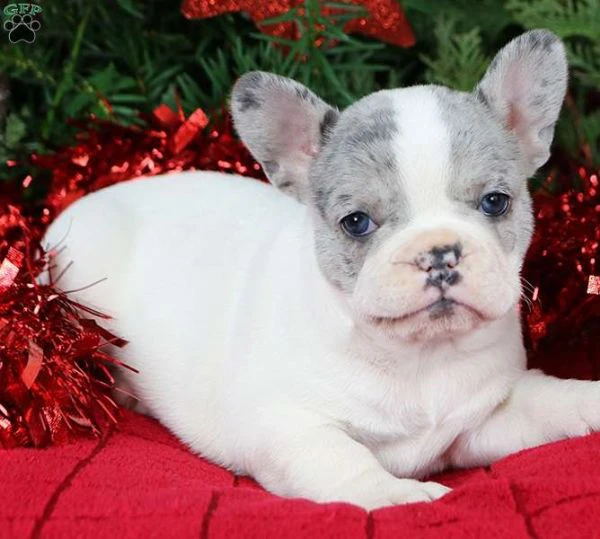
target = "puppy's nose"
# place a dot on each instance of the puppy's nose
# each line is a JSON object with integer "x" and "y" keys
{"x": 440, "y": 265}
{"x": 439, "y": 258}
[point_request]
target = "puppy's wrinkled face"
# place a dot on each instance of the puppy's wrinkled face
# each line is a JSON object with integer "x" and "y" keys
{"x": 421, "y": 209}
{"x": 422, "y": 165}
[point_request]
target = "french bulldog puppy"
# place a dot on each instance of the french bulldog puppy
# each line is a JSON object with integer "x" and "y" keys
{"x": 359, "y": 331}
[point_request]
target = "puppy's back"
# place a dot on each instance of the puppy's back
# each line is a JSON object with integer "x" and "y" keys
{"x": 168, "y": 258}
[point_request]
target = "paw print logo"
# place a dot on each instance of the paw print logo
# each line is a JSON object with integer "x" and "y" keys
{"x": 21, "y": 28}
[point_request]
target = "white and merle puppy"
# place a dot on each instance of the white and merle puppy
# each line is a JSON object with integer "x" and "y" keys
{"x": 340, "y": 343}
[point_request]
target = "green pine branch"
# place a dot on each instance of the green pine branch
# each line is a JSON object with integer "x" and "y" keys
{"x": 460, "y": 61}
{"x": 567, "y": 18}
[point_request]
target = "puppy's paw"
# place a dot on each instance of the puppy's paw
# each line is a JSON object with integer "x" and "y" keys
{"x": 400, "y": 491}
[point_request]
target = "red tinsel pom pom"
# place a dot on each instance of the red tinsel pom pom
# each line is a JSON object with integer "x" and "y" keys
{"x": 54, "y": 381}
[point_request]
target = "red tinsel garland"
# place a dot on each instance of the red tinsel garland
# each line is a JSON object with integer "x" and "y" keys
{"x": 107, "y": 153}
{"x": 563, "y": 321}
{"x": 54, "y": 381}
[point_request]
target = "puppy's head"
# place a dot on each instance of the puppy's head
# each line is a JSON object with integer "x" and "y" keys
{"x": 419, "y": 195}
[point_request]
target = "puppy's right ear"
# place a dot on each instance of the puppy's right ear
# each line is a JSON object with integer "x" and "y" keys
{"x": 524, "y": 87}
{"x": 283, "y": 124}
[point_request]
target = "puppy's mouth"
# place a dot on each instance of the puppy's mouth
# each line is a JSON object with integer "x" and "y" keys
{"x": 443, "y": 308}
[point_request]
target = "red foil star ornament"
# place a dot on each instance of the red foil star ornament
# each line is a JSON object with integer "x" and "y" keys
{"x": 386, "y": 20}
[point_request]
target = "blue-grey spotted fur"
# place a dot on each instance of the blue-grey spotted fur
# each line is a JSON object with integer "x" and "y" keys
{"x": 255, "y": 98}
{"x": 358, "y": 168}
{"x": 546, "y": 57}
{"x": 248, "y": 92}
{"x": 485, "y": 157}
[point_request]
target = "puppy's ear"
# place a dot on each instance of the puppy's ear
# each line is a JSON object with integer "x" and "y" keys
{"x": 524, "y": 87}
{"x": 283, "y": 124}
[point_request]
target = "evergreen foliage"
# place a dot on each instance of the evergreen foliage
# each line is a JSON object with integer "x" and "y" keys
{"x": 117, "y": 59}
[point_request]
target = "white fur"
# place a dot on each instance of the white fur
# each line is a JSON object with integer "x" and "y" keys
{"x": 423, "y": 149}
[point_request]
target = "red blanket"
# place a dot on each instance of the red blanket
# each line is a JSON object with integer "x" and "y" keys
{"x": 140, "y": 482}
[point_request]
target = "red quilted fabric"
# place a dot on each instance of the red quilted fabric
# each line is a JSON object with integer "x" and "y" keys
{"x": 139, "y": 481}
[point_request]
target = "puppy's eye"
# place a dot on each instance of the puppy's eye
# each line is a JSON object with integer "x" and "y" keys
{"x": 358, "y": 224}
{"x": 494, "y": 204}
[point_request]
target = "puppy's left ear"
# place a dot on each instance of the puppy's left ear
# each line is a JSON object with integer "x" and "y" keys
{"x": 524, "y": 87}
{"x": 284, "y": 125}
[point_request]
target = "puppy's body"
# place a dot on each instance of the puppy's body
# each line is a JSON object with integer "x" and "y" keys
{"x": 241, "y": 339}
{"x": 329, "y": 366}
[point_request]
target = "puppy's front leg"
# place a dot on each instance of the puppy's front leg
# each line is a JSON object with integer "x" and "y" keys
{"x": 323, "y": 463}
{"x": 540, "y": 409}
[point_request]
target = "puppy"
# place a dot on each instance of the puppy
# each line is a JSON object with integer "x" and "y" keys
{"x": 361, "y": 333}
